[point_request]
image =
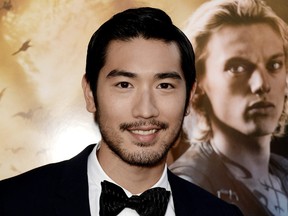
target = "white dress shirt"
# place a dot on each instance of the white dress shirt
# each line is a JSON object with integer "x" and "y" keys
{"x": 96, "y": 175}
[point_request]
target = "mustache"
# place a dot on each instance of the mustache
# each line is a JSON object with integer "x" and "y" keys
{"x": 152, "y": 122}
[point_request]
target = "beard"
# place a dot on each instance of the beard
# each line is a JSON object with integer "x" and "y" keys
{"x": 145, "y": 157}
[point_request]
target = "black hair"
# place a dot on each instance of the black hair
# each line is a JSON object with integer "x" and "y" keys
{"x": 146, "y": 22}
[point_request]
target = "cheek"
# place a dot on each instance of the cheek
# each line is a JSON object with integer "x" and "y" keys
{"x": 226, "y": 105}
{"x": 114, "y": 107}
{"x": 280, "y": 94}
{"x": 173, "y": 108}
{"x": 108, "y": 107}
{"x": 280, "y": 87}
{"x": 224, "y": 93}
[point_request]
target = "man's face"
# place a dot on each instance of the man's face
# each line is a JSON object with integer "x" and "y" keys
{"x": 140, "y": 100}
{"x": 245, "y": 78}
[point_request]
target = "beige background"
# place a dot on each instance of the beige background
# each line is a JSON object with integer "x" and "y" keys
{"x": 42, "y": 112}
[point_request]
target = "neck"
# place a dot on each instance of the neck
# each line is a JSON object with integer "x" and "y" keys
{"x": 135, "y": 179}
{"x": 245, "y": 155}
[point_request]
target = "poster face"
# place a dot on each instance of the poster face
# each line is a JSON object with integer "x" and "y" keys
{"x": 43, "y": 117}
{"x": 239, "y": 106}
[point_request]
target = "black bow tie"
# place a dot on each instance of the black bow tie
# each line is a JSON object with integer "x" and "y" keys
{"x": 113, "y": 200}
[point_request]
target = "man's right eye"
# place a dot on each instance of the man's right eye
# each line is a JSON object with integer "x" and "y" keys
{"x": 124, "y": 85}
{"x": 237, "y": 69}
{"x": 239, "y": 66}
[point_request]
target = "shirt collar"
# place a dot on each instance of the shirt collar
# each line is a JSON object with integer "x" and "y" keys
{"x": 96, "y": 174}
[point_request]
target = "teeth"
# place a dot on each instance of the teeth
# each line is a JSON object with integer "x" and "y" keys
{"x": 142, "y": 132}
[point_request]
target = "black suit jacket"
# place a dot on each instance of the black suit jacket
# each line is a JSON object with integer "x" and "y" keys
{"x": 62, "y": 189}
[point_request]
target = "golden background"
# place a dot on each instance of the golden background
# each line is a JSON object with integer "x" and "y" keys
{"x": 43, "y": 118}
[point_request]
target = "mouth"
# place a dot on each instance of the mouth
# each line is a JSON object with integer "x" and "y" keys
{"x": 261, "y": 104}
{"x": 144, "y": 132}
{"x": 261, "y": 107}
{"x": 144, "y": 136}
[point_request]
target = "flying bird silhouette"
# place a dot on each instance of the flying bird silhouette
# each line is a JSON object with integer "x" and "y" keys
{"x": 23, "y": 48}
{"x": 14, "y": 169}
{"x": 27, "y": 115}
{"x": 15, "y": 150}
{"x": 7, "y": 5}
{"x": 2, "y": 93}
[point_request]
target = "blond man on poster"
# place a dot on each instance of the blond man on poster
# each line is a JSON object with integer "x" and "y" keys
{"x": 240, "y": 103}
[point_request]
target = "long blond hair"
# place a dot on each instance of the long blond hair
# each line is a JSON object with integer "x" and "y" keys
{"x": 209, "y": 18}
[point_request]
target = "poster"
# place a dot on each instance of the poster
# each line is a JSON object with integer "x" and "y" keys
{"x": 42, "y": 60}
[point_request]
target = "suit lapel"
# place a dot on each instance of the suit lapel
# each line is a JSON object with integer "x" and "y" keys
{"x": 179, "y": 204}
{"x": 73, "y": 194}
{"x": 181, "y": 192}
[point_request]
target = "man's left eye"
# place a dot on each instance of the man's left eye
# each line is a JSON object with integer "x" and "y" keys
{"x": 274, "y": 66}
{"x": 165, "y": 86}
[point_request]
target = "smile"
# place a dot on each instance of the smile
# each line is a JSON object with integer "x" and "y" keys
{"x": 144, "y": 132}
{"x": 147, "y": 136}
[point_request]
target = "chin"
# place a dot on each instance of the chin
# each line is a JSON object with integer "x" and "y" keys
{"x": 260, "y": 132}
{"x": 143, "y": 158}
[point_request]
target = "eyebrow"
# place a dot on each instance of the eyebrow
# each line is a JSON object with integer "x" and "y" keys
{"x": 279, "y": 55}
{"x": 244, "y": 59}
{"x": 158, "y": 76}
{"x": 115, "y": 73}
{"x": 165, "y": 75}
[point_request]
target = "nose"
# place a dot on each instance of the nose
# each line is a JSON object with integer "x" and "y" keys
{"x": 145, "y": 105}
{"x": 259, "y": 82}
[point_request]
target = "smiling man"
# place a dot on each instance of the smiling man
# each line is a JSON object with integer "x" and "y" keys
{"x": 148, "y": 84}
{"x": 241, "y": 102}
{"x": 138, "y": 83}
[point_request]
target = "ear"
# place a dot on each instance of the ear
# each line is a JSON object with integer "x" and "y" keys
{"x": 193, "y": 90}
{"x": 88, "y": 95}
{"x": 199, "y": 89}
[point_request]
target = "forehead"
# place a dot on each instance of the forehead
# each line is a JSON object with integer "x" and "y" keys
{"x": 141, "y": 55}
{"x": 246, "y": 39}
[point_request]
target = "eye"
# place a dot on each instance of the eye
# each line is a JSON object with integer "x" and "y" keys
{"x": 238, "y": 66}
{"x": 275, "y": 65}
{"x": 165, "y": 86}
{"x": 237, "y": 69}
{"x": 124, "y": 85}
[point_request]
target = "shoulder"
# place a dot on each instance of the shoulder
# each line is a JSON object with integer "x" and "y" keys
{"x": 197, "y": 164}
{"x": 47, "y": 174}
{"x": 280, "y": 160}
{"x": 39, "y": 176}
{"x": 279, "y": 165}
{"x": 197, "y": 152}
{"x": 42, "y": 183}
{"x": 49, "y": 171}
{"x": 193, "y": 199}
{"x": 31, "y": 190}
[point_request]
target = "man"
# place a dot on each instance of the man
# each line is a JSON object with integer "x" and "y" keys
{"x": 138, "y": 82}
{"x": 241, "y": 63}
